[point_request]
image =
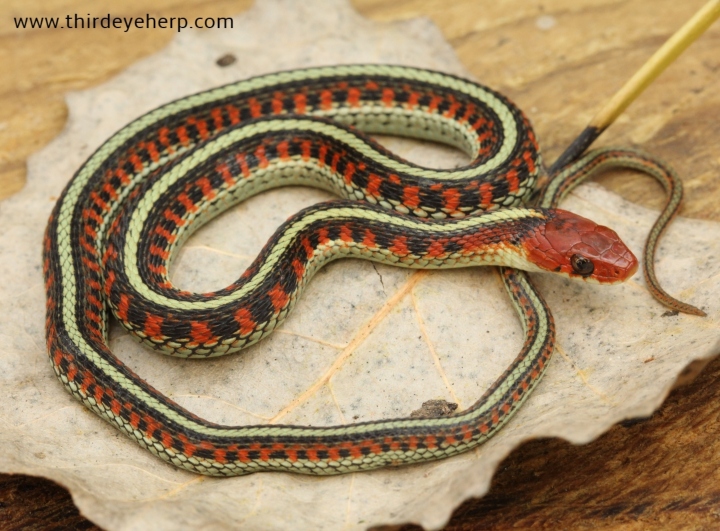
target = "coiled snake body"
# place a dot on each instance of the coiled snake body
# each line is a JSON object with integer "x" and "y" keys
{"x": 114, "y": 229}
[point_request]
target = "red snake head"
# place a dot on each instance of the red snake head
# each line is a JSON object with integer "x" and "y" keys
{"x": 580, "y": 248}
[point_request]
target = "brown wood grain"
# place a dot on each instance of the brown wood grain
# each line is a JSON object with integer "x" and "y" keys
{"x": 662, "y": 471}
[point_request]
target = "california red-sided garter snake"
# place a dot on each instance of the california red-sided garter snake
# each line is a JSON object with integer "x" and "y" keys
{"x": 150, "y": 185}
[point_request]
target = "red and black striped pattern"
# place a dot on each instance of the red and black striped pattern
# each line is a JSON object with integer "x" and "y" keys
{"x": 163, "y": 175}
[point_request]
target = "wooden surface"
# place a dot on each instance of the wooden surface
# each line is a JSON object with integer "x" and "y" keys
{"x": 559, "y": 60}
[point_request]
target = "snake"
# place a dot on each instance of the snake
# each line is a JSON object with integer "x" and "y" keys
{"x": 120, "y": 220}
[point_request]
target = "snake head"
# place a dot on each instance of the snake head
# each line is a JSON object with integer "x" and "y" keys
{"x": 577, "y": 247}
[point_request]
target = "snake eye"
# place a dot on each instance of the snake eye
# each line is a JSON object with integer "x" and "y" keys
{"x": 581, "y": 265}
